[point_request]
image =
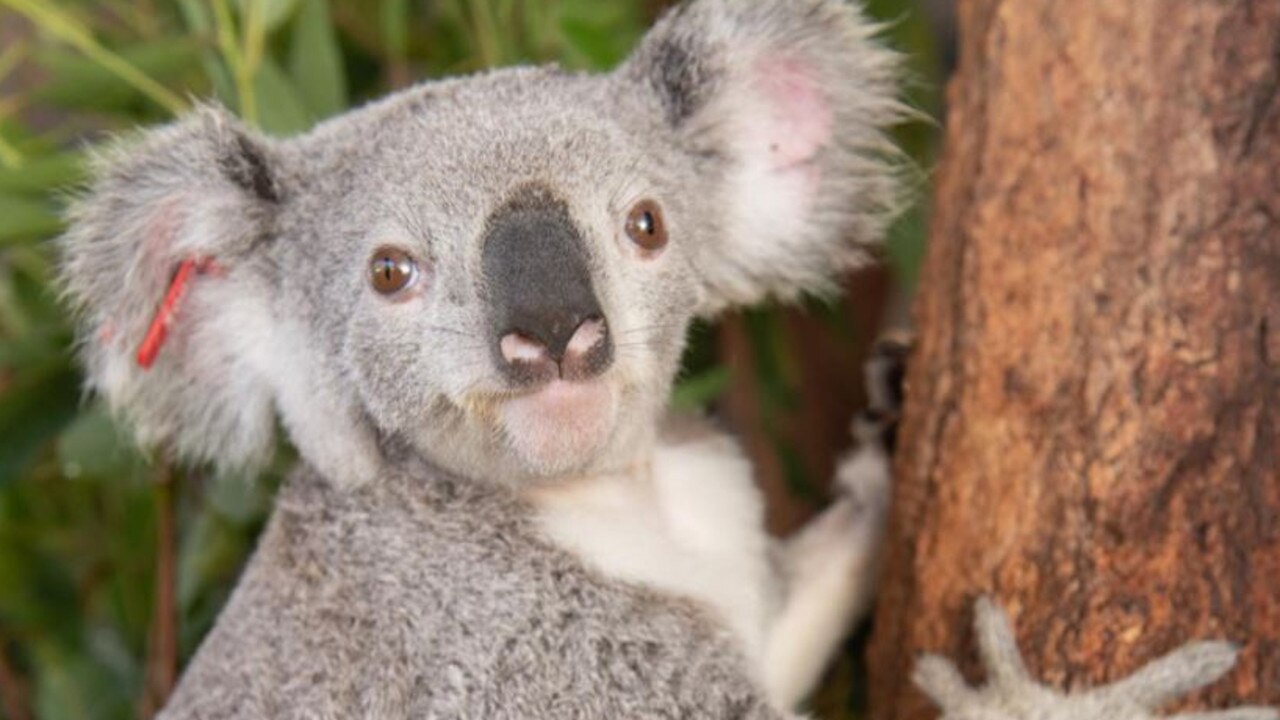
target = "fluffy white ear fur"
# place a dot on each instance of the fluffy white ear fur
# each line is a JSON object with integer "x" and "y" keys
{"x": 204, "y": 188}
{"x": 791, "y": 99}
{"x": 780, "y": 121}
{"x": 200, "y": 188}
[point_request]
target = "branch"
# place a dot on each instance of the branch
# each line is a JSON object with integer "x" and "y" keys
{"x": 162, "y": 650}
{"x": 13, "y": 692}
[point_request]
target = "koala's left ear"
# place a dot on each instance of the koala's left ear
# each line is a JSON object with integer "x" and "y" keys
{"x": 782, "y": 107}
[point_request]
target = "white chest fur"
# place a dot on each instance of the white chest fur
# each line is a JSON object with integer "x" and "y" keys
{"x": 690, "y": 524}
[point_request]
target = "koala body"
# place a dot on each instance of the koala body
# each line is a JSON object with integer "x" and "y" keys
{"x": 427, "y": 595}
{"x": 422, "y": 595}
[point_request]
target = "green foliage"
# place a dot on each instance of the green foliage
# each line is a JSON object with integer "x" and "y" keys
{"x": 80, "y": 508}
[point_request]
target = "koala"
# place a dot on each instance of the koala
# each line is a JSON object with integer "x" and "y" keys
{"x": 465, "y": 306}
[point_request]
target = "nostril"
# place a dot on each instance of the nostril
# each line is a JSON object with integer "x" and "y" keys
{"x": 590, "y": 333}
{"x": 517, "y": 348}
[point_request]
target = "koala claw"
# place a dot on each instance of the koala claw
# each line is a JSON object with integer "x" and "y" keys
{"x": 1012, "y": 694}
{"x": 865, "y": 475}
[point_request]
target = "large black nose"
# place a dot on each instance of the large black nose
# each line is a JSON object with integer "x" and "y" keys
{"x": 545, "y": 317}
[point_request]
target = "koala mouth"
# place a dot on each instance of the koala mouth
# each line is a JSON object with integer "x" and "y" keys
{"x": 560, "y": 426}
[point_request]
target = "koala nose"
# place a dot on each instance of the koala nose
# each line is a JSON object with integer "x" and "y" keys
{"x": 523, "y": 345}
{"x": 543, "y": 309}
{"x": 572, "y": 356}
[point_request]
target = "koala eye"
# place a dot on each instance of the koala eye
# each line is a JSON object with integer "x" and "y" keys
{"x": 392, "y": 270}
{"x": 645, "y": 226}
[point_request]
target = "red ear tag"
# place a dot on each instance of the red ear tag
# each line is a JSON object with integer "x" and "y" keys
{"x": 159, "y": 328}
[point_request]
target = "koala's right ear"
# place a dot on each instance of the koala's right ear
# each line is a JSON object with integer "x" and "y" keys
{"x": 203, "y": 189}
{"x": 781, "y": 108}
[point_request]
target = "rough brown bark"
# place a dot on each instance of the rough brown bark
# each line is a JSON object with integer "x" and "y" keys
{"x": 1092, "y": 432}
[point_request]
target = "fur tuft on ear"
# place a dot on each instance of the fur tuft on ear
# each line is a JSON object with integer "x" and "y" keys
{"x": 202, "y": 189}
{"x": 781, "y": 107}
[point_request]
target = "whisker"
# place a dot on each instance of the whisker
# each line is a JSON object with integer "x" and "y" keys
{"x": 456, "y": 366}
{"x": 643, "y": 342}
{"x": 469, "y": 347}
{"x": 655, "y": 329}
{"x": 453, "y": 331}
{"x": 475, "y": 383}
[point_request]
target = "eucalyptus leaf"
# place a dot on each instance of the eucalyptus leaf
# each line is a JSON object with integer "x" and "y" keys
{"x": 199, "y": 20}
{"x": 598, "y": 34}
{"x": 281, "y": 109}
{"x": 46, "y": 599}
{"x": 274, "y": 12}
{"x": 905, "y": 245}
{"x": 589, "y": 48}
{"x": 394, "y": 18}
{"x": 29, "y": 349}
{"x": 700, "y": 390}
{"x": 23, "y": 218}
{"x": 33, "y": 411}
{"x": 26, "y": 285}
{"x": 76, "y": 81}
{"x": 94, "y": 445}
{"x": 212, "y": 552}
{"x": 41, "y": 175}
{"x": 114, "y": 654}
{"x": 72, "y": 687}
{"x": 315, "y": 60}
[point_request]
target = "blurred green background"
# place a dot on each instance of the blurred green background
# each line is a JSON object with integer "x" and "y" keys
{"x": 112, "y": 565}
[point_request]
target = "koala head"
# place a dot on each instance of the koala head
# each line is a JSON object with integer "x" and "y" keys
{"x": 496, "y": 272}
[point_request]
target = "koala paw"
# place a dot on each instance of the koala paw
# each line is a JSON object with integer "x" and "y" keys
{"x": 884, "y": 372}
{"x": 1011, "y": 693}
{"x": 864, "y": 474}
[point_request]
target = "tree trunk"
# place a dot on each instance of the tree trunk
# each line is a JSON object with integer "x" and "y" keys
{"x": 1092, "y": 430}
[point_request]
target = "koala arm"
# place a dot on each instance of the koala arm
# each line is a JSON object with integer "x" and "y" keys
{"x": 828, "y": 570}
{"x": 1012, "y": 694}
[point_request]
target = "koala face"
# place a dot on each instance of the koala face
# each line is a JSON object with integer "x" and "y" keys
{"x": 496, "y": 271}
{"x": 510, "y": 272}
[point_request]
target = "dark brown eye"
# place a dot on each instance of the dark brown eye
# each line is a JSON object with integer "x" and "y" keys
{"x": 392, "y": 270}
{"x": 645, "y": 226}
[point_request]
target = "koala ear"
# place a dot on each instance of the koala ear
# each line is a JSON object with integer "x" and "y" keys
{"x": 781, "y": 107}
{"x": 205, "y": 190}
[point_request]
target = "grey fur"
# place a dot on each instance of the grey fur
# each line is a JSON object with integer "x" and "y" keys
{"x": 428, "y": 596}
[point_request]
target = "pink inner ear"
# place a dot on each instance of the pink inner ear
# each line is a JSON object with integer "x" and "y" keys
{"x": 800, "y": 115}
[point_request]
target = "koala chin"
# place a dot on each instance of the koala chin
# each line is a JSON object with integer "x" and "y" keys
{"x": 562, "y": 426}
{"x": 466, "y": 304}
